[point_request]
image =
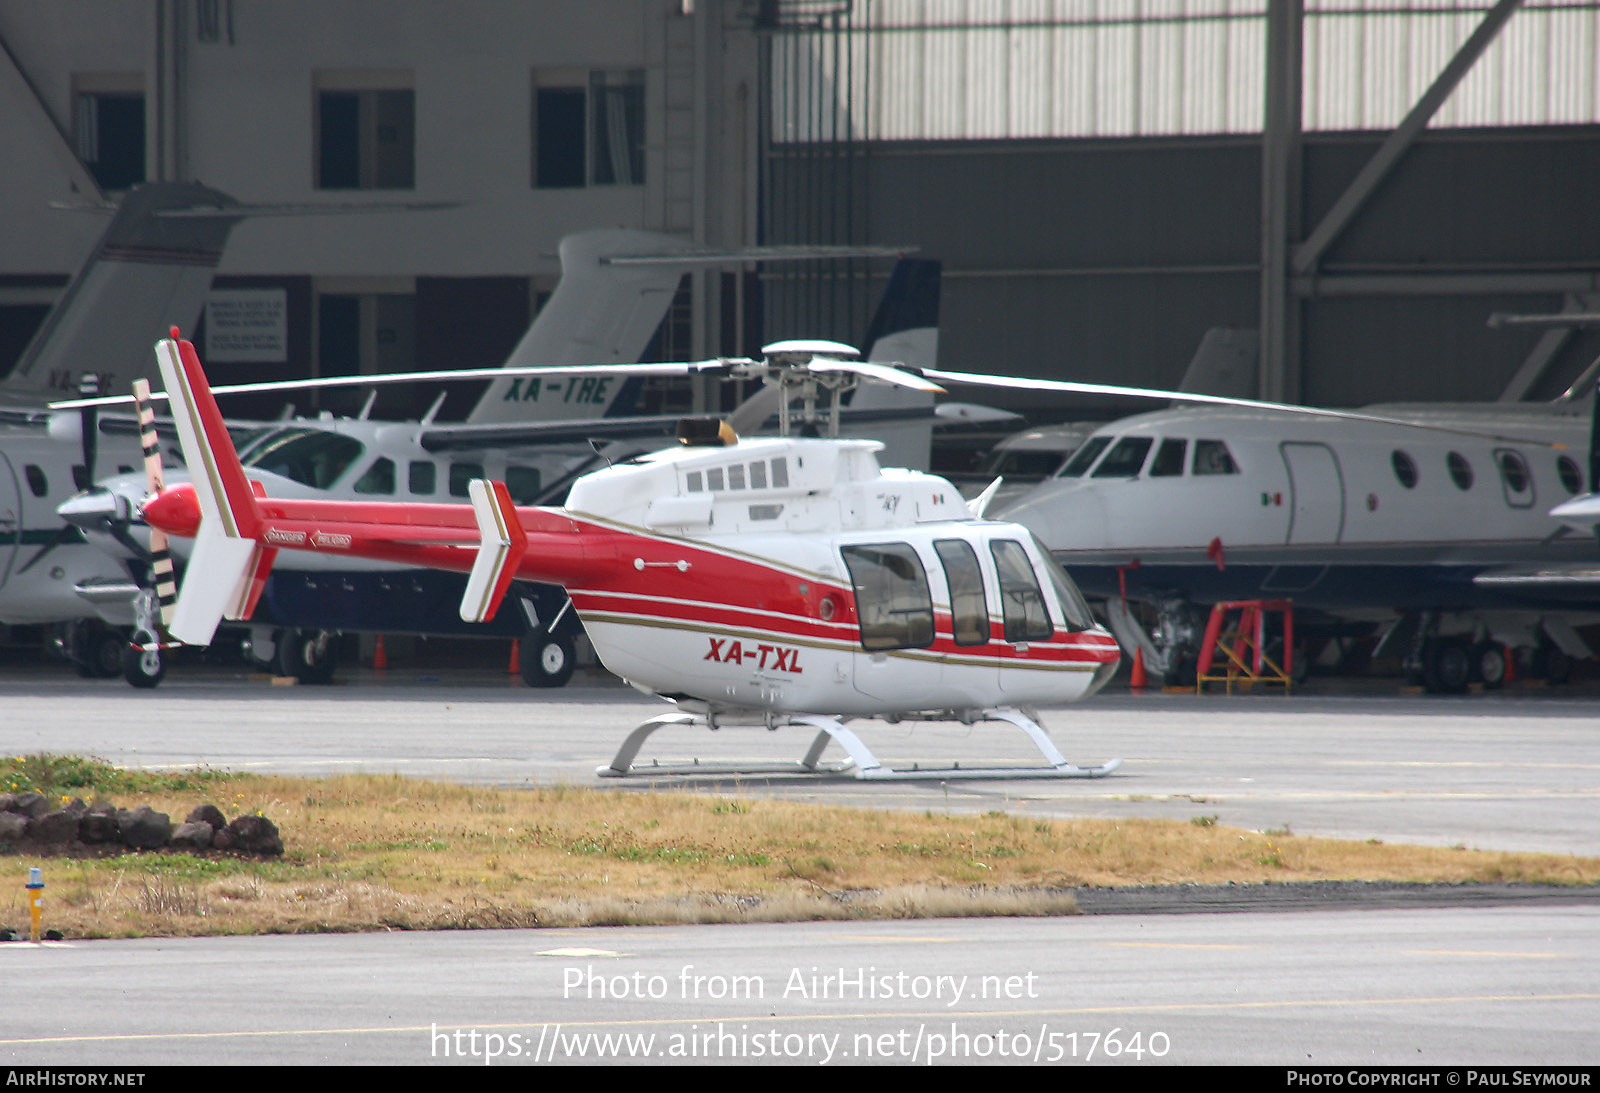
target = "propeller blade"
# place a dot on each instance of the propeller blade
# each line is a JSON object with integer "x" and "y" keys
{"x": 161, "y": 574}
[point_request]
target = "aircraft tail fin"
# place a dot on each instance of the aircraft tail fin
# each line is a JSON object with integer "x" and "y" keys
{"x": 229, "y": 567}
{"x": 151, "y": 268}
{"x": 904, "y": 330}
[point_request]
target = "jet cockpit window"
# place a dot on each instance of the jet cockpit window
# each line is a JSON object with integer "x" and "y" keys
{"x": 311, "y": 457}
{"x": 1405, "y": 468}
{"x": 1168, "y": 462}
{"x": 1021, "y": 602}
{"x": 1213, "y": 457}
{"x": 1126, "y": 458}
{"x": 969, "y": 609}
{"x": 1080, "y": 463}
{"x": 892, "y": 600}
{"x": 379, "y": 478}
{"x": 1460, "y": 470}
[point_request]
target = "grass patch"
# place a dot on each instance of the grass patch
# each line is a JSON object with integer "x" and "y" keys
{"x": 386, "y": 852}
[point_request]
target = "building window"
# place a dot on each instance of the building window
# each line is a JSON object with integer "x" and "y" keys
{"x": 588, "y": 128}
{"x": 366, "y": 136}
{"x": 108, "y": 129}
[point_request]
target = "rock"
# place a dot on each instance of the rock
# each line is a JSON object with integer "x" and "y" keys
{"x": 193, "y": 836}
{"x": 99, "y": 824}
{"x": 54, "y": 829}
{"x": 13, "y": 828}
{"x": 144, "y": 828}
{"x": 256, "y": 834}
{"x": 30, "y": 804}
{"x": 209, "y": 814}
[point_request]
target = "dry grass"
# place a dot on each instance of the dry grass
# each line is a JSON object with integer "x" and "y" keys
{"x": 372, "y": 852}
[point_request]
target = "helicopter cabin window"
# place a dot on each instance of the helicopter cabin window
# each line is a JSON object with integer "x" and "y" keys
{"x": 1405, "y": 468}
{"x": 1080, "y": 463}
{"x": 379, "y": 478}
{"x": 694, "y": 482}
{"x": 758, "y": 475}
{"x": 1021, "y": 601}
{"x": 736, "y": 476}
{"x": 522, "y": 483}
{"x": 893, "y": 605}
{"x": 1460, "y": 470}
{"x": 714, "y": 479}
{"x": 969, "y": 609}
{"x": 422, "y": 478}
{"x": 1213, "y": 457}
{"x": 1168, "y": 462}
{"x": 1125, "y": 459}
{"x": 780, "y": 473}
{"x": 461, "y": 474}
{"x": 310, "y": 457}
{"x": 1515, "y": 477}
{"x": 1571, "y": 477}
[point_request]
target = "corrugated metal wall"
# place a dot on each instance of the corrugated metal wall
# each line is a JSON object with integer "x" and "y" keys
{"x": 994, "y": 69}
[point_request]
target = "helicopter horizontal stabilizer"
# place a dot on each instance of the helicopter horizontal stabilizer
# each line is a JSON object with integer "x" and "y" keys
{"x": 229, "y": 567}
{"x": 504, "y": 543}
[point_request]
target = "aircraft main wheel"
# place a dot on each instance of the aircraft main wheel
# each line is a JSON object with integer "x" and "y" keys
{"x": 307, "y": 655}
{"x": 100, "y": 654}
{"x": 1447, "y": 666}
{"x": 1489, "y": 664}
{"x": 143, "y": 668}
{"x": 547, "y": 660}
{"x": 1551, "y": 663}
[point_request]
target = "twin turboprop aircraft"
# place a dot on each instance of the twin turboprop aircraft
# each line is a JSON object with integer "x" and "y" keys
{"x": 786, "y": 581}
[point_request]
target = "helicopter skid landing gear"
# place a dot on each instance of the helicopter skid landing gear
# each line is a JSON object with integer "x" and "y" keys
{"x": 862, "y": 763}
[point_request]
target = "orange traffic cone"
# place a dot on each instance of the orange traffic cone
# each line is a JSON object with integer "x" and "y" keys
{"x": 380, "y": 658}
{"x": 1138, "y": 681}
{"x": 516, "y": 658}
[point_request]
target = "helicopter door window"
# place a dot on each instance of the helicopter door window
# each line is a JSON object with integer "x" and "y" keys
{"x": 1168, "y": 462}
{"x": 1021, "y": 601}
{"x": 893, "y": 605}
{"x": 461, "y": 474}
{"x": 1213, "y": 457}
{"x": 969, "y": 609}
{"x": 422, "y": 478}
{"x": 379, "y": 478}
{"x": 1078, "y": 464}
{"x": 1125, "y": 459}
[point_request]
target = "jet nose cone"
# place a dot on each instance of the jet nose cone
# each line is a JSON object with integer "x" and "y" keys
{"x": 93, "y": 508}
{"x": 175, "y": 511}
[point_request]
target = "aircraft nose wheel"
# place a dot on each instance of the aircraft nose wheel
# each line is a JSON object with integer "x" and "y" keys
{"x": 547, "y": 659}
{"x": 142, "y": 668}
{"x": 308, "y": 655}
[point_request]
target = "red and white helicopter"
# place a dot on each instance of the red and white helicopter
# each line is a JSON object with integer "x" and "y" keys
{"x": 772, "y": 582}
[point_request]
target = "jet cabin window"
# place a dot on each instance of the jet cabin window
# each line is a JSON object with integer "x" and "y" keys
{"x": 1460, "y": 470}
{"x": 1571, "y": 477}
{"x": 892, "y": 600}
